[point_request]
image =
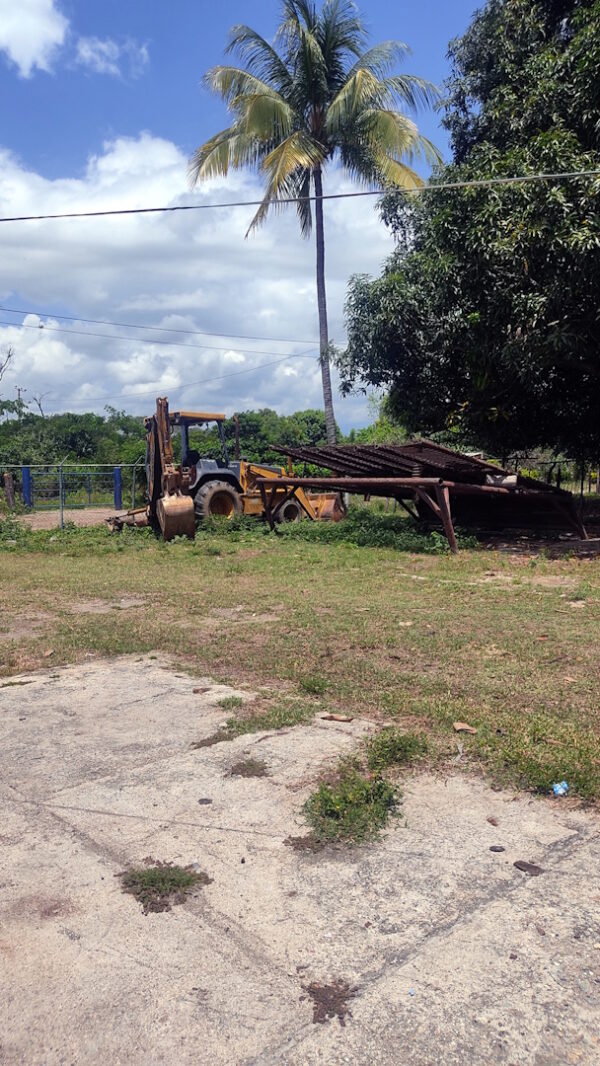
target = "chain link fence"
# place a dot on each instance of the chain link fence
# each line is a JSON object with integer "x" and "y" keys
{"x": 72, "y": 486}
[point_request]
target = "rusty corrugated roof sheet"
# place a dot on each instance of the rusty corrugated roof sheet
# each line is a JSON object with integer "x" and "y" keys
{"x": 420, "y": 458}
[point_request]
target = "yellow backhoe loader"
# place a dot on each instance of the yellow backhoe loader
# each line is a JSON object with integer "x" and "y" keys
{"x": 180, "y": 494}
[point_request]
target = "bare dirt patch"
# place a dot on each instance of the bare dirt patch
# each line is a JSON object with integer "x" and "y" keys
{"x": 92, "y": 516}
{"x": 24, "y": 626}
{"x": 249, "y": 768}
{"x": 98, "y": 606}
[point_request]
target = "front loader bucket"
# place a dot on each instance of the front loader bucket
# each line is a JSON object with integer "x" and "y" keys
{"x": 176, "y": 516}
{"x": 329, "y": 506}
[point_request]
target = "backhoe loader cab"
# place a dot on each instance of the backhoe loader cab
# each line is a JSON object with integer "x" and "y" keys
{"x": 219, "y": 486}
{"x": 197, "y": 488}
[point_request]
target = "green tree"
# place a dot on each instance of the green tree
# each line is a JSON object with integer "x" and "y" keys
{"x": 317, "y": 95}
{"x": 485, "y": 322}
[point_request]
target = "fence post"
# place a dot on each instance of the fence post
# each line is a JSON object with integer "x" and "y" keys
{"x": 27, "y": 485}
{"x": 133, "y": 483}
{"x": 118, "y": 489}
{"x": 61, "y": 497}
{"x": 9, "y": 489}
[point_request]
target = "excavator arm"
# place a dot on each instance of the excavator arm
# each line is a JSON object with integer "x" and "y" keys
{"x": 168, "y": 505}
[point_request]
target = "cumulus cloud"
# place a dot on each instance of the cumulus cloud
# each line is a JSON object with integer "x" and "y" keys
{"x": 105, "y": 56}
{"x": 31, "y": 32}
{"x": 185, "y": 272}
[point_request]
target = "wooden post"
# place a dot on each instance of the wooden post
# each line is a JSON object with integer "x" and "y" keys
{"x": 441, "y": 510}
{"x": 443, "y": 499}
{"x": 9, "y": 489}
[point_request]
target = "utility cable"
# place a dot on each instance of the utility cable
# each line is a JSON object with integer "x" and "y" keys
{"x": 154, "y": 329}
{"x": 436, "y": 187}
{"x": 138, "y": 340}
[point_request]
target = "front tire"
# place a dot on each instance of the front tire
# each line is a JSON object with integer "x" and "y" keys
{"x": 290, "y": 511}
{"x": 217, "y": 499}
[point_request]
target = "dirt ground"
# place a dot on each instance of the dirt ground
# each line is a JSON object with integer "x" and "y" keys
{"x": 83, "y": 516}
{"x": 427, "y": 947}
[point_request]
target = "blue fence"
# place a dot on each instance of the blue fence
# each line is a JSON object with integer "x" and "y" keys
{"x": 64, "y": 486}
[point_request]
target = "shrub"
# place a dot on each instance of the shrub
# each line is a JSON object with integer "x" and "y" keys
{"x": 353, "y": 809}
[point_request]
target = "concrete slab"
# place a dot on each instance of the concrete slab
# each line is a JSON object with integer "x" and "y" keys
{"x": 454, "y": 956}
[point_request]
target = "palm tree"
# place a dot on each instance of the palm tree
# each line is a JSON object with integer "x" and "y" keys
{"x": 318, "y": 94}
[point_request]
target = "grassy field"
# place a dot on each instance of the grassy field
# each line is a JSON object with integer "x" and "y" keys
{"x": 392, "y": 628}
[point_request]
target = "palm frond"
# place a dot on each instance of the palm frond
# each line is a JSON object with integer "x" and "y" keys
{"x": 264, "y": 116}
{"x": 359, "y": 91}
{"x": 226, "y": 149}
{"x": 394, "y": 133}
{"x": 340, "y": 29}
{"x": 387, "y": 131}
{"x": 259, "y": 57}
{"x": 296, "y": 186}
{"x": 394, "y": 172}
{"x": 296, "y": 152}
{"x": 412, "y": 91}
{"x": 232, "y": 82}
{"x": 381, "y": 58}
{"x": 303, "y": 206}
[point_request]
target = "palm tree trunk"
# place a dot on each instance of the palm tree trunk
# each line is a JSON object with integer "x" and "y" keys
{"x": 322, "y": 304}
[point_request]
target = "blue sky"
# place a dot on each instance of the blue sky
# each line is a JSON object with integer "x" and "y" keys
{"x": 103, "y": 104}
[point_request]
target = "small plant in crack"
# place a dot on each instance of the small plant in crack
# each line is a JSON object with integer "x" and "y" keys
{"x": 160, "y": 885}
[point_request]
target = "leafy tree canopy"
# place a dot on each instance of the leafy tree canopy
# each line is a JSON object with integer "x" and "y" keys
{"x": 485, "y": 322}
{"x": 120, "y": 438}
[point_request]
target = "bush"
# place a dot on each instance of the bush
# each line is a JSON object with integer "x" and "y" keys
{"x": 369, "y": 530}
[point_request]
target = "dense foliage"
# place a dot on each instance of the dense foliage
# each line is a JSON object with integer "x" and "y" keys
{"x": 120, "y": 438}
{"x": 485, "y": 322}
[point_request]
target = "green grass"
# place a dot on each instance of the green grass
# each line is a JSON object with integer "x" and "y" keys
{"x": 367, "y": 528}
{"x": 231, "y": 703}
{"x": 159, "y": 886}
{"x": 283, "y": 715}
{"x": 352, "y": 810}
{"x": 394, "y": 747}
{"x": 412, "y": 639}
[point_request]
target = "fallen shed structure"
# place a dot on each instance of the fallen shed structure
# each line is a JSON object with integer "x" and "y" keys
{"x": 431, "y": 481}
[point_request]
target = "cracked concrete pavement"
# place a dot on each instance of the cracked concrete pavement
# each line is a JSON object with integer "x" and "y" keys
{"x": 455, "y": 955}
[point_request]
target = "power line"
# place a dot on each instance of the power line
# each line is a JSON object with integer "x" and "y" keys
{"x": 439, "y": 187}
{"x": 156, "y": 329}
{"x": 135, "y": 340}
{"x": 189, "y": 384}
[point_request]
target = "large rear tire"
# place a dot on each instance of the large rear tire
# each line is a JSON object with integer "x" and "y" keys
{"x": 217, "y": 499}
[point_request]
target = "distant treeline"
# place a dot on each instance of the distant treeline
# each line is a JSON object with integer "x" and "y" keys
{"x": 119, "y": 438}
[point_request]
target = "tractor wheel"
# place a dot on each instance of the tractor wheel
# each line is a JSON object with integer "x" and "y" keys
{"x": 290, "y": 511}
{"x": 217, "y": 499}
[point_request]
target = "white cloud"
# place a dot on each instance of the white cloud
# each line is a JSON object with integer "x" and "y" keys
{"x": 31, "y": 31}
{"x": 105, "y": 56}
{"x": 189, "y": 271}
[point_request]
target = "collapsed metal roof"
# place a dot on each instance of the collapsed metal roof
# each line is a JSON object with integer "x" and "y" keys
{"x": 420, "y": 458}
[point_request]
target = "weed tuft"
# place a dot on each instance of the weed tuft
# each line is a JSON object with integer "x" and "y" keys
{"x": 157, "y": 887}
{"x": 230, "y": 703}
{"x": 392, "y": 747}
{"x": 352, "y": 810}
{"x": 313, "y": 686}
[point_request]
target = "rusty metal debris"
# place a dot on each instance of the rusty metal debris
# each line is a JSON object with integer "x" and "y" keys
{"x": 431, "y": 481}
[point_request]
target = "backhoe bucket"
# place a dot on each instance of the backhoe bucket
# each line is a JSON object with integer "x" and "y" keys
{"x": 176, "y": 516}
{"x": 330, "y": 506}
